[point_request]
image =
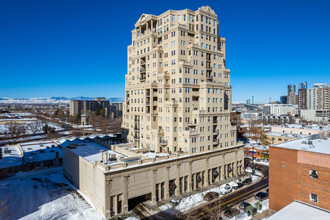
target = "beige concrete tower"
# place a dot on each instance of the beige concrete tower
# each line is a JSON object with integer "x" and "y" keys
{"x": 177, "y": 91}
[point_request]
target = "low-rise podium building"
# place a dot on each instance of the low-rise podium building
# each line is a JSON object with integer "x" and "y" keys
{"x": 115, "y": 178}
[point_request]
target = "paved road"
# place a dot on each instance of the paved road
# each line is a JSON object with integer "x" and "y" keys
{"x": 202, "y": 211}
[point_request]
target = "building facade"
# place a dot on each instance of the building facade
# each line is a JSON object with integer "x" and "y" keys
{"x": 302, "y": 98}
{"x": 284, "y": 99}
{"x": 122, "y": 176}
{"x": 302, "y": 85}
{"x": 280, "y": 109}
{"x": 291, "y": 94}
{"x": 177, "y": 91}
{"x": 299, "y": 170}
{"x": 86, "y": 107}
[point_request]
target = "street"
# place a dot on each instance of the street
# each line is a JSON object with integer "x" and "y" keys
{"x": 201, "y": 212}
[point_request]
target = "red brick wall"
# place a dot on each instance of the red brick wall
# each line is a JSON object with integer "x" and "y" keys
{"x": 283, "y": 183}
{"x": 293, "y": 182}
{"x": 319, "y": 186}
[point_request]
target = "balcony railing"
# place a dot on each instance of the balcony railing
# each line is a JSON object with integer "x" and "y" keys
{"x": 142, "y": 78}
{"x": 163, "y": 142}
{"x": 209, "y": 77}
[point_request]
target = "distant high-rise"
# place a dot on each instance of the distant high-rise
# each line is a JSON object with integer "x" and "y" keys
{"x": 291, "y": 94}
{"x": 248, "y": 101}
{"x": 252, "y": 100}
{"x": 302, "y": 85}
{"x": 302, "y": 98}
{"x": 284, "y": 99}
{"x": 79, "y": 107}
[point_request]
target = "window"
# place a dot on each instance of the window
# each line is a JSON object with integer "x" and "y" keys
{"x": 313, "y": 174}
{"x": 313, "y": 197}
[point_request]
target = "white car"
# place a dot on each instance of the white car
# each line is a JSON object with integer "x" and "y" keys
{"x": 228, "y": 189}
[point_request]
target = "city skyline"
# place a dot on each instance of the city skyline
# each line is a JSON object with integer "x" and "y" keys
{"x": 50, "y": 50}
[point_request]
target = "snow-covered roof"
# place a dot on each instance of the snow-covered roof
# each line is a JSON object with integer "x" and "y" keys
{"x": 41, "y": 151}
{"x": 318, "y": 145}
{"x": 279, "y": 134}
{"x": 90, "y": 150}
{"x": 257, "y": 146}
{"x": 153, "y": 155}
{"x": 313, "y": 126}
{"x": 298, "y": 210}
{"x": 11, "y": 156}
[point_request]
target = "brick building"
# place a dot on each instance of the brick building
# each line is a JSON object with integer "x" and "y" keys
{"x": 299, "y": 170}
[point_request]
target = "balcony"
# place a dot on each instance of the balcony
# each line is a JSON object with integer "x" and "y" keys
{"x": 209, "y": 77}
{"x": 163, "y": 142}
{"x": 142, "y": 70}
{"x": 136, "y": 128}
{"x": 142, "y": 78}
{"x": 216, "y": 131}
{"x": 215, "y": 141}
{"x": 208, "y": 68}
{"x": 136, "y": 138}
{"x": 192, "y": 125}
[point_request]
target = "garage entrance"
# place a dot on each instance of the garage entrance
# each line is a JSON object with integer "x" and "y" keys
{"x": 137, "y": 200}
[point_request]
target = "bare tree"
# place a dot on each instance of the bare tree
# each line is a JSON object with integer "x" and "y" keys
{"x": 16, "y": 130}
{"x": 35, "y": 126}
{"x": 115, "y": 124}
{"x": 214, "y": 210}
{"x": 258, "y": 134}
{"x": 325, "y": 134}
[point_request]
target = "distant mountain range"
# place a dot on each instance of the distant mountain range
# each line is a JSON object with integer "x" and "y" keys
{"x": 50, "y": 100}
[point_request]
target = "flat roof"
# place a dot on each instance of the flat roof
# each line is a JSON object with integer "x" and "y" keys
{"x": 279, "y": 134}
{"x": 41, "y": 151}
{"x": 317, "y": 145}
{"x": 312, "y": 127}
{"x": 300, "y": 211}
{"x": 90, "y": 150}
{"x": 11, "y": 156}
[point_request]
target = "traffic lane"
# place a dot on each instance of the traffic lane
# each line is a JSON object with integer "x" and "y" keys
{"x": 230, "y": 198}
{"x": 203, "y": 211}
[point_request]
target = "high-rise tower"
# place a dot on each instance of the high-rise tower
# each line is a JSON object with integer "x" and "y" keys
{"x": 177, "y": 91}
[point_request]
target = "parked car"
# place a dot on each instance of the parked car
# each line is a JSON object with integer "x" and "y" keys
{"x": 238, "y": 185}
{"x": 210, "y": 196}
{"x": 228, "y": 189}
{"x": 261, "y": 196}
{"x": 247, "y": 181}
{"x": 228, "y": 213}
{"x": 243, "y": 205}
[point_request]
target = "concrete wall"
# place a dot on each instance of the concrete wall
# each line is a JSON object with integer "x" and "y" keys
{"x": 88, "y": 178}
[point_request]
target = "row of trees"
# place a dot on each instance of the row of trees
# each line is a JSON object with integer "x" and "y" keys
{"x": 18, "y": 130}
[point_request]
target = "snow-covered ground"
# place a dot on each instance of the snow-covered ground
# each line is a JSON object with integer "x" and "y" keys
{"x": 4, "y": 131}
{"x": 44, "y": 195}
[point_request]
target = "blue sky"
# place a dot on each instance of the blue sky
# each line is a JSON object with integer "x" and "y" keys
{"x": 65, "y": 47}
